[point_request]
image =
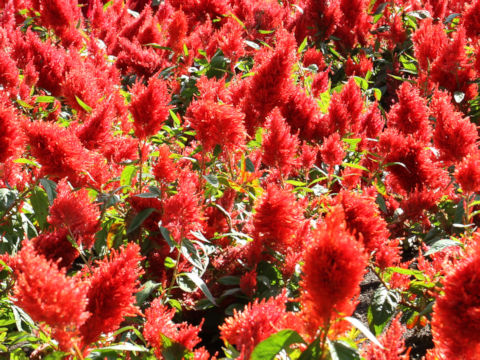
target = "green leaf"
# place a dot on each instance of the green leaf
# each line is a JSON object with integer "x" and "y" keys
{"x": 441, "y": 244}
{"x": 303, "y": 45}
{"x": 381, "y": 203}
{"x": 252, "y": 44}
{"x": 57, "y": 355}
{"x": 169, "y": 263}
{"x": 7, "y": 199}
{"x": 361, "y": 82}
{"x": 84, "y": 106}
{"x": 212, "y": 180}
{"x": 51, "y": 189}
{"x": 139, "y": 219}
{"x": 172, "y": 350}
{"x": 340, "y": 350}
{"x": 175, "y": 118}
{"x": 128, "y": 174}
{"x": 450, "y": 18}
{"x": 249, "y": 165}
{"x": 26, "y": 161}
{"x": 45, "y": 99}
{"x": 229, "y": 280}
{"x": 355, "y": 166}
{"x": 149, "y": 287}
{"x": 191, "y": 254}
{"x": 157, "y": 46}
{"x": 269, "y": 348}
{"x": 24, "y": 104}
{"x": 383, "y": 307}
{"x": 312, "y": 352}
{"x": 412, "y": 272}
{"x": 195, "y": 279}
{"x": 168, "y": 237}
{"x": 40, "y": 204}
{"x": 122, "y": 347}
{"x": 365, "y": 331}
{"x": 147, "y": 195}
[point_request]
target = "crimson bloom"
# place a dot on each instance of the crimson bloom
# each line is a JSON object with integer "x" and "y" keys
{"x": 334, "y": 264}
{"x": 456, "y": 314}
{"x": 276, "y": 220}
{"x": 47, "y": 294}
{"x": 279, "y": 146}
{"x": 468, "y": 173}
{"x": 74, "y": 211}
{"x": 217, "y": 124}
{"x": 149, "y": 107}
{"x": 110, "y": 292}
{"x": 257, "y": 322}
{"x": 61, "y": 154}
{"x": 159, "y": 321}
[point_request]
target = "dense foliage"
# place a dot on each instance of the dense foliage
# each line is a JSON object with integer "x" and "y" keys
{"x": 252, "y": 179}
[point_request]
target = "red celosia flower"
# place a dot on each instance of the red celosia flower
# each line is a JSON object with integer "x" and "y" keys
{"x": 279, "y": 146}
{"x": 416, "y": 166}
{"x": 428, "y": 42}
{"x": 88, "y": 81}
{"x": 248, "y": 283}
{"x": 303, "y": 114}
{"x": 320, "y": 83}
{"x": 269, "y": 86}
{"x": 332, "y": 151}
{"x": 46, "y": 294}
{"x": 10, "y": 136}
{"x": 229, "y": 40}
{"x": 55, "y": 247}
{"x": 47, "y": 60}
{"x": 8, "y": 74}
{"x": 217, "y": 124}
{"x": 58, "y": 14}
{"x": 455, "y": 136}
{"x": 419, "y": 201}
{"x": 74, "y": 211}
{"x": 314, "y": 57}
{"x": 467, "y": 173}
{"x": 257, "y": 322}
{"x": 393, "y": 344}
{"x": 334, "y": 264}
{"x": 182, "y": 212}
{"x": 277, "y": 218}
{"x": 110, "y": 292}
{"x": 471, "y": 19}
{"x": 159, "y": 322}
{"x": 318, "y": 19}
{"x": 145, "y": 62}
{"x": 363, "y": 220}
{"x": 149, "y": 107}
{"x": 177, "y": 31}
{"x": 345, "y": 109}
{"x": 453, "y": 69}
{"x": 360, "y": 68}
{"x": 164, "y": 168}
{"x": 372, "y": 122}
{"x": 410, "y": 114}
{"x": 456, "y": 314}
{"x": 354, "y": 25}
{"x": 61, "y": 154}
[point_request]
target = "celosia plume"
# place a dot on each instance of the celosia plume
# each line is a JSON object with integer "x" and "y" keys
{"x": 47, "y": 294}
{"x": 334, "y": 264}
{"x": 256, "y": 322}
{"x": 110, "y": 291}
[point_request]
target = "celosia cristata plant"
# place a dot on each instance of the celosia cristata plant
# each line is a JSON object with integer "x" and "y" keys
{"x": 251, "y": 179}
